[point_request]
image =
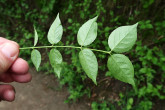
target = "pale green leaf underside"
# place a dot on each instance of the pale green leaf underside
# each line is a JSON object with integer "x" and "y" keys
{"x": 55, "y": 58}
{"x": 87, "y": 32}
{"x": 121, "y": 68}
{"x": 36, "y": 58}
{"x": 35, "y": 37}
{"x": 55, "y": 31}
{"x": 57, "y": 69}
{"x": 123, "y": 38}
{"x": 89, "y": 63}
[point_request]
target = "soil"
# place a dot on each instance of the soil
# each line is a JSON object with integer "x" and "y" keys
{"x": 42, "y": 93}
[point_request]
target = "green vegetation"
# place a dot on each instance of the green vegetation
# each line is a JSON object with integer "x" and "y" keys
{"x": 16, "y": 23}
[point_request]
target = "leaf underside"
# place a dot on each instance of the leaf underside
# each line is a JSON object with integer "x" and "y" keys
{"x": 36, "y": 58}
{"x": 123, "y": 38}
{"x": 55, "y": 31}
{"x": 87, "y": 32}
{"x": 121, "y": 68}
{"x": 89, "y": 63}
{"x": 55, "y": 58}
{"x": 35, "y": 37}
{"x": 57, "y": 69}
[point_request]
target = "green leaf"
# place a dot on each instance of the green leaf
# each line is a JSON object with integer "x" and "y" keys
{"x": 87, "y": 32}
{"x": 55, "y": 31}
{"x": 57, "y": 69}
{"x": 35, "y": 37}
{"x": 123, "y": 38}
{"x": 89, "y": 63}
{"x": 121, "y": 68}
{"x": 36, "y": 58}
{"x": 55, "y": 58}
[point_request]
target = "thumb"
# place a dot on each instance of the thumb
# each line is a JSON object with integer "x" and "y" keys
{"x": 8, "y": 54}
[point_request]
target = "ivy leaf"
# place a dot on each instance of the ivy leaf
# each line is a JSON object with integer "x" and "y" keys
{"x": 55, "y": 58}
{"x": 87, "y": 32}
{"x": 89, "y": 63}
{"x": 121, "y": 68}
{"x": 55, "y": 31}
{"x": 36, "y": 58}
{"x": 35, "y": 37}
{"x": 123, "y": 38}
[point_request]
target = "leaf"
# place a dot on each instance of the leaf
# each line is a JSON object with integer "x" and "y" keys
{"x": 89, "y": 63}
{"x": 55, "y": 31}
{"x": 87, "y": 32}
{"x": 121, "y": 68}
{"x": 57, "y": 70}
{"x": 123, "y": 38}
{"x": 36, "y": 58}
{"x": 35, "y": 37}
{"x": 55, "y": 58}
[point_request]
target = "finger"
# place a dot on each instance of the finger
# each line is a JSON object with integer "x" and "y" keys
{"x": 6, "y": 78}
{"x": 20, "y": 66}
{"x": 8, "y": 54}
{"x": 22, "y": 78}
{"x": 7, "y": 93}
{"x": 10, "y": 77}
{"x": 2, "y": 40}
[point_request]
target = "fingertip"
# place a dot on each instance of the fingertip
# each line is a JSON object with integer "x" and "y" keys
{"x": 16, "y": 44}
{"x": 20, "y": 66}
{"x": 7, "y": 92}
{"x": 22, "y": 78}
{"x": 9, "y": 95}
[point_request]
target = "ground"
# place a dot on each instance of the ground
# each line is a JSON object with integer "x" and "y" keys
{"x": 41, "y": 94}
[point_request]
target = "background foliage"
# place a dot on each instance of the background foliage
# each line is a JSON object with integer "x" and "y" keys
{"x": 18, "y": 17}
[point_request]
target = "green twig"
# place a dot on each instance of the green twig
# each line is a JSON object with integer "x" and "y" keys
{"x": 76, "y": 47}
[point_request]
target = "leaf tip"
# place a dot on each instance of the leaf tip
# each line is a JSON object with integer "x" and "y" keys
{"x": 58, "y": 76}
{"x": 95, "y": 18}
{"x": 95, "y": 82}
{"x": 133, "y": 83}
{"x": 136, "y": 24}
{"x": 58, "y": 14}
{"x": 37, "y": 69}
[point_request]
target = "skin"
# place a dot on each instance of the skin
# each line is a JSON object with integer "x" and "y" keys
{"x": 12, "y": 69}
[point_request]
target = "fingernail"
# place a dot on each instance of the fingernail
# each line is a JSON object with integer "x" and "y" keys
{"x": 10, "y": 50}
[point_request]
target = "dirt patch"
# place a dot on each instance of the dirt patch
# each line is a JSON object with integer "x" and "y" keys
{"x": 41, "y": 94}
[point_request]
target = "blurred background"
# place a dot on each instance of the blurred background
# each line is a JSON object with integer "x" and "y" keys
{"x": 17, "y": 18}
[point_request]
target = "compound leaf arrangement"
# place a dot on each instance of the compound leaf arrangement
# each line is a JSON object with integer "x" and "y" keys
{"x": 120, "y": 40}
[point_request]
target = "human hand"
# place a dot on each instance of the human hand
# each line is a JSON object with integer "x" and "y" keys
{"x": 12, "y": 68}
